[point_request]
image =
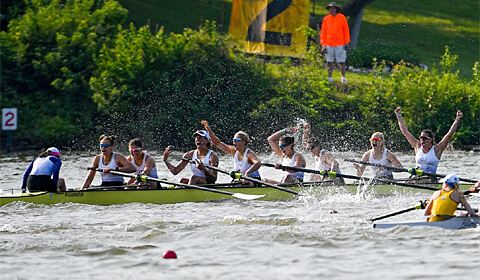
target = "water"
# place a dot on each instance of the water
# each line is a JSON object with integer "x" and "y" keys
{"x": 233, "y": 239}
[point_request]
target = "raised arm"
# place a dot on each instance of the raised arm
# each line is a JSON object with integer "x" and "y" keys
{"x": 403, "y": 127}
{"x": 306, "y": 139}
{"x": 272, "y": 139}
{"x": 440, "y": 147}
{"x": 229, "y": 149}
{"x": 181, "y": 165}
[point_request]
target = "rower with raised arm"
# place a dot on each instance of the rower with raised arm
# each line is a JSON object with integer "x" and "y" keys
{"x": 324, "y": 160}
{"x": 427, "y": 151}
{"x": 444, "y": 202}
{"x": 106, "y": 161}
{"x": 378, "y": 154}
{"x": 143, "y": 162}
{"x": 245, "y": 160}
{"x": 202, "y": 156}
{"x": 285, "y": 150}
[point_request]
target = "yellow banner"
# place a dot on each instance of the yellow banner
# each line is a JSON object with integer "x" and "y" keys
{"x": 270, "y": 26}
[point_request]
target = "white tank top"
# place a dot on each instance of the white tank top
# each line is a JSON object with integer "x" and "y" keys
{"x": 205, "y": 160}
{"x": 378, "y": 171}
{"x": 319, "y": 165}
{"x": 291, "y": 162}
{"x": 243, "y": 165}
{"x": 140, "y": 168}
{"x": 42, "y": 166}
{"x": 427, "y": 162}
{"x": 107, "y": 177}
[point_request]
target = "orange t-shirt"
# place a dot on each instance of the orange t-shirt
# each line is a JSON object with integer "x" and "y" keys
{"x": 334, "y": 31}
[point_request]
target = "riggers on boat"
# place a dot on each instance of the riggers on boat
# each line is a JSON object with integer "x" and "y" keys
{"x": 452, "y": 223}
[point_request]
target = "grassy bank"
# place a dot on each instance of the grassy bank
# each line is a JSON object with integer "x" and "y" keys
{"x": 421, "y": 28}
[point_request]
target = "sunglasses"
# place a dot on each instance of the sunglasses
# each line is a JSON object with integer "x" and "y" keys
{"x": 237, "y": 139}
{"x": 105, "y": 145}
{"x": 425, "y": 137}
{"x": 283, "y": 146}
{"x": 375, "y": 139}
{"x": 136, "y": 150}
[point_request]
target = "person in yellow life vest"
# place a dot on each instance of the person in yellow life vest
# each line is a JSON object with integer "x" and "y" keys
{"x": 444, "y": 202}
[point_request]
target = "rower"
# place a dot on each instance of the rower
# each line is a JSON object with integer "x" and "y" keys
{"x": 427, "y": 151}
{"x": 444, "y": 202}
{"x": 202, "y": 156}
{"x": 38, "y": 176}
{"x": 324, "y": 160}
{"x": 245, "y": 160}
{"x": 143, "y": 162}
{"x": 378, "y": 154}
{"x": 285, "y": 150}
{"x": 106, "y": 161}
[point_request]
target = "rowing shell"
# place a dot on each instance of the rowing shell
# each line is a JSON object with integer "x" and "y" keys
{"x": 453, "y": 223}
{"x": 122, "y": 195}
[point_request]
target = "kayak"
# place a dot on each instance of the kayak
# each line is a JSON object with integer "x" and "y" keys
{"x": 453, "y": 223}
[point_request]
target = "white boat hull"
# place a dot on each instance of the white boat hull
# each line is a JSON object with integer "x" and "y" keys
{"x": 453, "y": 223}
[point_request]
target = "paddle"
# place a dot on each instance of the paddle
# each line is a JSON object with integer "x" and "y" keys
{"x": 335, "y": 174}
{"x": 413, "y": 171}
{"x": 421, "y": 205}
{"x": 144, "y": 178}
{"x": 238, "y": 175}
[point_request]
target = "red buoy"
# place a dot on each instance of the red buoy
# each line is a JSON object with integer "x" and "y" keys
{"x": 333, "y": 212}
{"x": 169, "y": 255}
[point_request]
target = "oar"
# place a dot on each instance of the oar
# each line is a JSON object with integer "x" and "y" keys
{"x": 413, "y": 171}
{"x": 421, "y": 205}
{"x": 238, "y": 175}
{"x": 335, "y": 174}
{"x": 144, "y": 178}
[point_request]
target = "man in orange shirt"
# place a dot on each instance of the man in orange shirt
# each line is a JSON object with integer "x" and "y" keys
{"x": 334, "y": 38}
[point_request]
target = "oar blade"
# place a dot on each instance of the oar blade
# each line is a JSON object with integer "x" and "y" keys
{"x": 248, "y": 196}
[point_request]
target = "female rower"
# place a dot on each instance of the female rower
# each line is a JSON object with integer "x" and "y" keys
{"x": 203, "y": 156}
{"x": 378, "y": 154}
{"x": 444, "y": 202}
{"x": 38, "y": 176}
{"x": 108, "y": 160}
{"x": 144, "y": 163}
{"x": 245, "y": 160}
{"x": 288, "y": 155}
{"x": 427, "y": 152}
{"x": 323, "y": 159}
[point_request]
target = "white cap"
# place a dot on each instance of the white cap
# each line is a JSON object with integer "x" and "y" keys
{"x": 451, "y": 179}
{"x": 53, "y": 151}
{"x": 202, "y": 133}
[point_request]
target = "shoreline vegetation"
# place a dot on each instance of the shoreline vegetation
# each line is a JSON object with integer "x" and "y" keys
{"x": 75, "y": 73}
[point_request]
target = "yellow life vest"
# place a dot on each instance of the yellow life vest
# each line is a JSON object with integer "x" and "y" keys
{"x": 443, "y": 206}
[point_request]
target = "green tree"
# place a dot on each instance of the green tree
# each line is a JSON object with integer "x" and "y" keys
{"x": 47, "y": 59}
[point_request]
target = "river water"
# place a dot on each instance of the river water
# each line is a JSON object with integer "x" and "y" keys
{"x": 233, "y": 239}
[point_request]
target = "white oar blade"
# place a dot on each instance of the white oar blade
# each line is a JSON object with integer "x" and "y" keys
{"x": 248, "y": 196}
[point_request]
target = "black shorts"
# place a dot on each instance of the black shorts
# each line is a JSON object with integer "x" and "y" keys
{"x": 40, "y": 183}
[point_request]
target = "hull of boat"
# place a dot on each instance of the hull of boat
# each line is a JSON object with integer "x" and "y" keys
{"x": 453, "y": 223}
{"x": 160, "y": 196}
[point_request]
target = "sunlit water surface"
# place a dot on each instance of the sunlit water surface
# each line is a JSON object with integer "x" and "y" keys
{"x": 233, "y": 239}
